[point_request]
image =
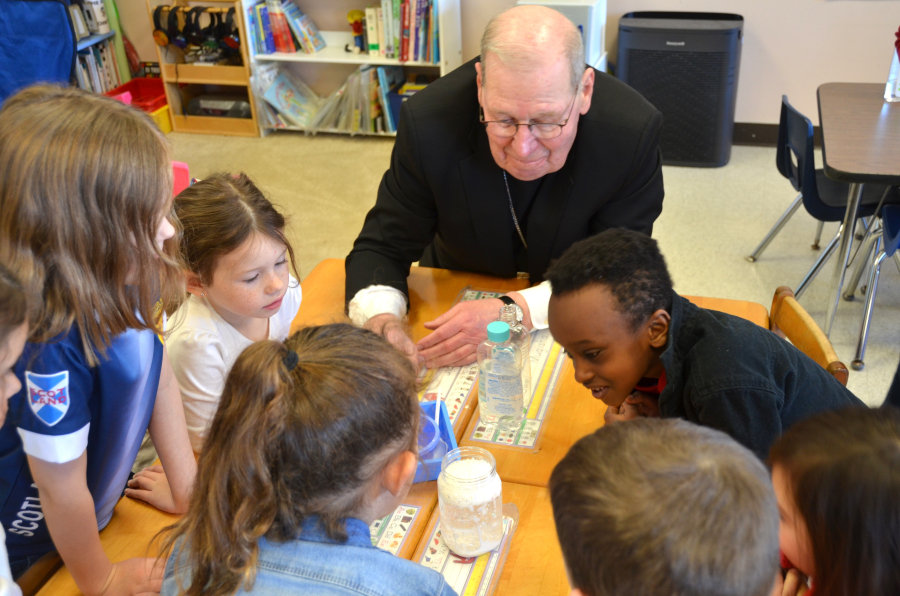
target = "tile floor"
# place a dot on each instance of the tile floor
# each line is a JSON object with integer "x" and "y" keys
{"x": 712, "y": 219}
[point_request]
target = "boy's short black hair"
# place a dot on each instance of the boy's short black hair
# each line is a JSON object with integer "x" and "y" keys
{"x": 628, "y": 263}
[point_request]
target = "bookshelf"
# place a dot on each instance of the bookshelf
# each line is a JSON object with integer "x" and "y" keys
{"x": 95, "y": 38}
{"x": 329, "y": 66}
{"x": 183, "y": 81}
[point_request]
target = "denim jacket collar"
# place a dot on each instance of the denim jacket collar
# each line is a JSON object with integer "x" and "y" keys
{"x": 358, "y": 533}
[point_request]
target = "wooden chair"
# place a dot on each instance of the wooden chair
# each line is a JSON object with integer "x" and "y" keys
{"x": 38, "y": 574}
{"x": 789, "y": 320}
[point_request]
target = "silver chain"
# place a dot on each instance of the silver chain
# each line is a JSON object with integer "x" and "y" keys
{"x": 513, "y": 211}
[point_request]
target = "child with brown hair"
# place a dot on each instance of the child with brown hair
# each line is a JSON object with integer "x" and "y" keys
{"x": 238, "y": 263}
{"x": 665, "y": 507}
{"x": 85, "y": 202}
{"x": 313, "y": 441}
{"x": 13, "y": 333}
{"x": 838, "y": 489}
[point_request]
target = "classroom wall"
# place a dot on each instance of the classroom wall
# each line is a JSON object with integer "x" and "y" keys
{"x": 790, "y": 46}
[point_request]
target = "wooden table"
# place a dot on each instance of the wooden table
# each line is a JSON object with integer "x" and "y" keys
{"x": 860, "y": 144}
{"x": 534, "y": 565}
{"x": 534, "y": 553}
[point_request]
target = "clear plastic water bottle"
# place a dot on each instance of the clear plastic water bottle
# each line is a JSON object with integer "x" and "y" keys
{"x": 519, "y": 335}
{"x": 892, "y": 89}
{"x": 500, "y": 397}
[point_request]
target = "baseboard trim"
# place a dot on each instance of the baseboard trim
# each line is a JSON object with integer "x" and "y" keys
{"x": 764, "y": 135}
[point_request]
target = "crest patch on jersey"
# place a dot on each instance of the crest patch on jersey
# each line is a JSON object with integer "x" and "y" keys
{"x": 48, "y": 395}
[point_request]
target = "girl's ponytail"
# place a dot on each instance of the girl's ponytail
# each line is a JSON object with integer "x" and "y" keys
{"x": 301, "y": 431}
{"x": 236, "y": 497}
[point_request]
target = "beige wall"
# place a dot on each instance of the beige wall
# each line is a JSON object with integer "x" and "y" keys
{"x": 790, "y": 46}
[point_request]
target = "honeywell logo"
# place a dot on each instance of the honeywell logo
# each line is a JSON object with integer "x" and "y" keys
{"x": 674, "y": 43}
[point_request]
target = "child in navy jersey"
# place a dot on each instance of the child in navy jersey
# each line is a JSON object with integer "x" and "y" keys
{"x": 13, "y": 333}
{"x": 85, "y": 204}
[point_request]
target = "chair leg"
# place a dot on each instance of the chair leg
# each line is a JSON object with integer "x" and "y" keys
{"x": 820, "y": 262}
{"x": 862, "y": 266}
{"x": 858, "y": 362}
{"x": 815, "y": 245}
{"x": 861, "y": 226}
{"x": 897, "y": 259}
{"x": 776, "y": 228}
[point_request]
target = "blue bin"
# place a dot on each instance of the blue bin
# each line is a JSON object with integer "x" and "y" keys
{"x": 430, "y": 469}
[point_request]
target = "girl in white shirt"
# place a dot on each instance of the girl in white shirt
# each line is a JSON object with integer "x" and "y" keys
{"x": 241, "y": 290}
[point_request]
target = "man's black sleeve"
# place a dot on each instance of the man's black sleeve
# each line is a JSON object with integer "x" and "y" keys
{"x": 400, "y": 225}
{"x": 638, "y": 202}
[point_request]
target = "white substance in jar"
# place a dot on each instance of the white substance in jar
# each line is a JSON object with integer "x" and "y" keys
{"x": 470, "y": 496}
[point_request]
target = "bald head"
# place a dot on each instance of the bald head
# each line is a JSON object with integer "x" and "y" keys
{"x": 527, "y": 38}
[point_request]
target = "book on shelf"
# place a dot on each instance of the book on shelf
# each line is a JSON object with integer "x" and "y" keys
{"x": 280, "y": 26}
{"x": 372, "y": 31}
{"x": 382, "y": 33}
{"x": 96, "y": 69}
{"x": 304, "y": 28}
{"x": 265, "y": 28}
{"x": 404, "y": 43}
{"x": 281, "y": 32}
{"x": 287, "y": 100}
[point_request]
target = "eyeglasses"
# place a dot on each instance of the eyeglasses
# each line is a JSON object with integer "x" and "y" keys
{"x": 541, "y": 130}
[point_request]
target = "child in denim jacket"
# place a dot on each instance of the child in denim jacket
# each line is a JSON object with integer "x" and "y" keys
{"x": 314, "y": 440}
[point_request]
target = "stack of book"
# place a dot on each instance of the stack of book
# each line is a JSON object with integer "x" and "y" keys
{"x": 97, "y": 69}
{"x": 361, "y": 104}
{"x": 406, "y": 30}
{"x": 280, "y": 26}
{"x": 287, "y": 101}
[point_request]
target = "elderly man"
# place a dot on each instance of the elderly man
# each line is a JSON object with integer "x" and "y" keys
{"x": 498, "y": 168}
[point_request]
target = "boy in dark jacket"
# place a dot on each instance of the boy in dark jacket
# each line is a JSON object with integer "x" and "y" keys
{"x": 645, "y": 351}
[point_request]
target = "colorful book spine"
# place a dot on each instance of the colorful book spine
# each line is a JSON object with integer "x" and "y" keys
{"x": 382, "y": 38}
{"x": 372, "y": 31}
{"x": 281, "y": 33}
{"x": 417, "y": 55}
{"x": 262, "y": 15}
{"x": 404, "y": 43}
{"x": 384, "y": 11}
{"x": 396, "y": 26}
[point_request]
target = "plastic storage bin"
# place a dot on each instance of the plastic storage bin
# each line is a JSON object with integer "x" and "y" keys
{"x": 146, "y": 94}
{"x": 430, "y": 469}
{"x": 163, "y": 119}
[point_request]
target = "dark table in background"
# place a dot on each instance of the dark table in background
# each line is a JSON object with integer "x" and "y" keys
{"x": 860, "y": 144}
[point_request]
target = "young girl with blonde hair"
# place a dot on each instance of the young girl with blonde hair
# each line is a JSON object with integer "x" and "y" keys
{"x": 838, "y": 489}
{"x": 85, "y": 207}
{"x": 314, "y": 440}
{"x": 238, "y": 263}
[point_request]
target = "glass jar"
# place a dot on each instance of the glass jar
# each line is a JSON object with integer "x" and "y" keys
{"x": 470, "y": 497}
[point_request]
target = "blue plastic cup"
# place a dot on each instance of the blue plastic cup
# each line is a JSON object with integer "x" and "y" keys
{"x": 431, "y": 445}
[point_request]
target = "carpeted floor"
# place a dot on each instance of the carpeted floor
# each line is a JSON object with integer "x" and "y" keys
{"x": 712, "y": 219}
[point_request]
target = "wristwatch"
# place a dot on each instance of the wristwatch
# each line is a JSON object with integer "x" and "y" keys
{"x": 506, "y": 300}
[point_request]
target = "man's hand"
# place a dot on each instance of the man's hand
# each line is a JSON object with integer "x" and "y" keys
{"x": 135, "y": 577}
{"x": 647, "y": 405}
{"x": 458, "y": 332}
{"x": 151, "y": 486}
{"x": 392, "y": 329}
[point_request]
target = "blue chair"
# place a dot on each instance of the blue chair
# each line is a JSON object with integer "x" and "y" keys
{"x": 822, "y": 197}
{"x": 889, "y": 234}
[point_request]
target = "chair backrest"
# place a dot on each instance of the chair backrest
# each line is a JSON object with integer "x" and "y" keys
{"x": 794, "y": 154}
{"x": 790, "y": 320}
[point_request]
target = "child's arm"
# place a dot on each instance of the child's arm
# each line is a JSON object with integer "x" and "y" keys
{"x": 69, "y": 510}
{"x": 170, "y": 491}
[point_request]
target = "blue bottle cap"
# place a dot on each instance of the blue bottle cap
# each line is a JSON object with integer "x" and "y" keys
{"x": 498, "y": 331}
